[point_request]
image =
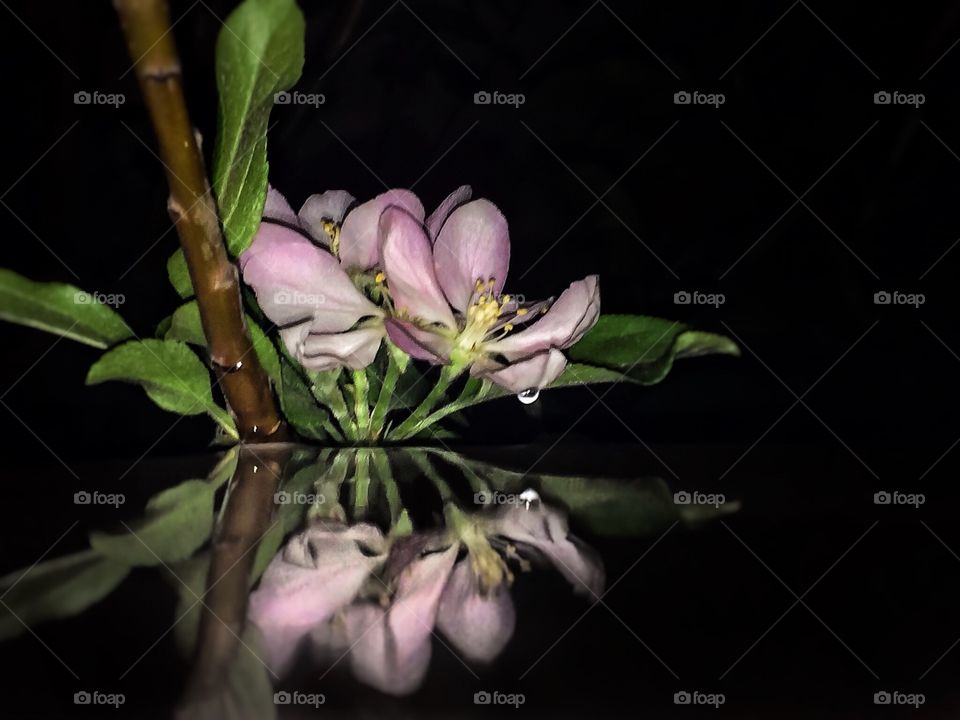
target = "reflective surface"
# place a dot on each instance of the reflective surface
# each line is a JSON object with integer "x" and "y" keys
{"x": 429, "y": 583}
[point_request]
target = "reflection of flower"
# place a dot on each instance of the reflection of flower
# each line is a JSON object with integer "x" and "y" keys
{"x": 376, "y": 600}
{"x": 446, "y": 281}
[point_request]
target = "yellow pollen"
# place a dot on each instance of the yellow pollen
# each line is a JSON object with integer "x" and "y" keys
{"x": 333, "y": 232}
{"x": 521, "y": 312}
{"x": 380, "y": 277}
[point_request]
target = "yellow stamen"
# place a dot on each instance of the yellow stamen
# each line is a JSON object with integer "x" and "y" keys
{"x": 380, "y": 277}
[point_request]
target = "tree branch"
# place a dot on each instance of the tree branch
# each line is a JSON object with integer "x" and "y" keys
{"x": 146, "y": 25}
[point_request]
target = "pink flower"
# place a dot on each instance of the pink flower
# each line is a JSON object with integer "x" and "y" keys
{"x": 445, "y": 281}
{"x": 310, "y": 270}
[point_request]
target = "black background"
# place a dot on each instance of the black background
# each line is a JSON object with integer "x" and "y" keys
{"x": 709, "y": 207}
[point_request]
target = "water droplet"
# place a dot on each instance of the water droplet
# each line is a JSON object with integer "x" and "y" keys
{"x": 529, "y": 396}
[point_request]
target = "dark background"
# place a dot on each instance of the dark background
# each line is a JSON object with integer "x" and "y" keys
{"x": 84, "y": 202}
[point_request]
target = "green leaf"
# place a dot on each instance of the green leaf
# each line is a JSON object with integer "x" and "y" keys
{"x": 299, "y": 406}
{"x": 60, "y": 309}
{"x": 185, "y": 325}
{"x": 172, "y": 375}
{"x": 259, "y": 53}
{"x": 177, "y": 521}
{"x": 179, "y": 275}
{"x": 637, "y": 348}
{"x": 56, "y": 589}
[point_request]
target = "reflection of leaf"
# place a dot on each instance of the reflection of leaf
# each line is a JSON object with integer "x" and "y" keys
{"x": 60, "y": 309}
{"x": 190, "y": 581}
{"x": 604, "y": 506}
{"x": 177, "y": 522}
{"x": 56, "y": 589}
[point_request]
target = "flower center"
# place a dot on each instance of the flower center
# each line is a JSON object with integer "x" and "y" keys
{"x": 484, "y": 316}
{"x": 332, "y": 229}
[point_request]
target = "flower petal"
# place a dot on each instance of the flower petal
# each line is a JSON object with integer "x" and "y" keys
{"x": 574, "y": 312}
{"x": 472, "y": 245}
{"x": 359, "y": 243}
{"x": 276, "y": 207}
{"x": 478, "y": 626}
{"x": 417, "y": 343}
{"x": 331, "y": 205}
{"x": 295, "y": 280}
{"x": 354, "y": 349}
{"x": 536, "y": 371}
{"x": 391, "y": 649}
{"x": 545, "y": 530}
{"x": 450, "y": 203}
{"x": 407, "y": 259}
{"x": 319, "y": 571}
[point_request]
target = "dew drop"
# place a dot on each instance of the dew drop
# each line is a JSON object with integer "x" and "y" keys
{"x": 529, "y": 396}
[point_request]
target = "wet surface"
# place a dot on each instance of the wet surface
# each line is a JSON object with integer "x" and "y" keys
{"x": 809, "y": 600}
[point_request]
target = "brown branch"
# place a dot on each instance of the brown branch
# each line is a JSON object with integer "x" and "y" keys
{"x": 146, "y": 24}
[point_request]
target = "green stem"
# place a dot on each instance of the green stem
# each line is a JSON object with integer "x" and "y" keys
{"x": 361, "y": 408}
{"x": 326, "y": 390}
{"x": 396, "y": 365}
{"x": 463, "y": 401}
{"x": 381, "y": 465}
{"x": 412, "y": 425}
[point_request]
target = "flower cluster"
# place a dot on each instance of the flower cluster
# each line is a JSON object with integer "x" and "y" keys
{"x": 338, "y": 277}
{"x": 349, "y": 591}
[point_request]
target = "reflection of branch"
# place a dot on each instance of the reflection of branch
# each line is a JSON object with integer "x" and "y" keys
{"x": 146, "y": 24}
{"x": 246, "y": 519}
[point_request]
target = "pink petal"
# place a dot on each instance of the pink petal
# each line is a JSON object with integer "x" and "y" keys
{"x": 276, "y": 207}
{"x": 391, "y": 649}
{"x": 536, "y": 371}
{"x": 574, "y": 312}
{"x": 354, "y": 349}
{"x": 407, "y": 259}
{"x": 359, "y": 242}
{"x": 295, "y": 280}
{"x": 478, "y": 626}
{"x": 546, "y": 530}
{"x": 417, "y": 343}
{"x": 318, "y": 572}
{"x": 472, "y": 245}
{"x": 439, "y": 216}
{"x": 331, "y": 205}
